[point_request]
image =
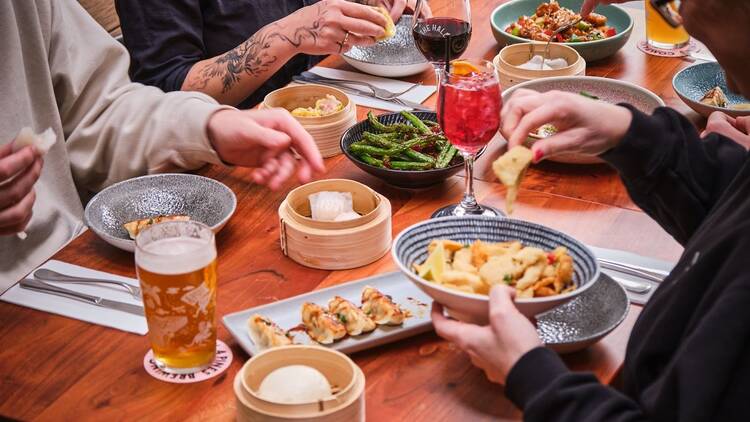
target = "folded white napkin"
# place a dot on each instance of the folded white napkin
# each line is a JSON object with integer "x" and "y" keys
{"x": 80, "y": 310}
{"x": 417, "y": 95}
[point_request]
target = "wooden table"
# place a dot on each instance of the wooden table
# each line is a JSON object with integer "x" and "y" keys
{"x": 58, "y": 368}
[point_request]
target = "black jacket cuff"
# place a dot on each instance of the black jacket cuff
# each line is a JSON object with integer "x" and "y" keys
{"x": 532, "y": 374}
{"x": 638, "y": 154}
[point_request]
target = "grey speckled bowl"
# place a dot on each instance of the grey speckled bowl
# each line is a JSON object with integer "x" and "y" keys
{"x": 200, "y": 198}
{"x": 395, "y": 57}
{"x": 586, "y": 319}
{"x": 692, "y": 83}
{"x": 410, "y": 247}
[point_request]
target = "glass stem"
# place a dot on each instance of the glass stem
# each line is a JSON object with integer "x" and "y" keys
{"x": 469, "y": 202}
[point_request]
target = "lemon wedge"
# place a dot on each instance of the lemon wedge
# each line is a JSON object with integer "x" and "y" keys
{"x": 434, "y": 267}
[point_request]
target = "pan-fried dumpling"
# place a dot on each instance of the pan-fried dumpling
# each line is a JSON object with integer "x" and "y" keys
{"x": 321, "y": 326}
{"x": 137, "y": 226}
{"x": 381, "y": 308}
{"x": 715, "y": 97}
{"x": 355, "y": 320}
{"x": 265, "y": 333}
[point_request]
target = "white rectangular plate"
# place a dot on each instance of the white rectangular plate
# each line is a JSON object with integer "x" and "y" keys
{"x": 287, "y": 313}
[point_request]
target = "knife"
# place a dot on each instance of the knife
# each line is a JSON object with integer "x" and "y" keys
{"x": 355, "y": 91}
{"x": 41, "y": 286}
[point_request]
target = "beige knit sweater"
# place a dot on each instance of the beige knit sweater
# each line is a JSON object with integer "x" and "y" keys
{"x": 60, "y": 69}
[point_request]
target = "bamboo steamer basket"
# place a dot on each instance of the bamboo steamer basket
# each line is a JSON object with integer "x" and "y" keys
{"x": 335, "y": 245}
{"x": 347, "y": 405}
{"x": 325, "y": 130}
{"x": 512, "y": 56}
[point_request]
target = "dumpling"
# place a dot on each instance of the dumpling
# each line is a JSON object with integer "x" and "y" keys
{"x": 355, "y": 320}
{"x": 715, "y": 97}
{"x": 137, "y": 226}
{"x": 510, "y": 169}
{"x": 390, "y": 26}
{"x": 265, "y": 333}
{"x": 321, "y": 326}
{"x": 381, "y": 308}
{"x": 42, "y": 141}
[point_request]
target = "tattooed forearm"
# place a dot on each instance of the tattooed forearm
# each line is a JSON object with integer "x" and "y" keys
{"x": 255, "y": 56}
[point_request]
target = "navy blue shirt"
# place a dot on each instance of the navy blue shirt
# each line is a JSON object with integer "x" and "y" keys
{"x": 166, "y": 38}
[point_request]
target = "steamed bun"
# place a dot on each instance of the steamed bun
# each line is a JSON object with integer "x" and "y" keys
{"x": 295, "y": 384}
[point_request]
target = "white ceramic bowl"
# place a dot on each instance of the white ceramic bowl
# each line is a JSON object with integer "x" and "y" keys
{"x": 411, "y": 247}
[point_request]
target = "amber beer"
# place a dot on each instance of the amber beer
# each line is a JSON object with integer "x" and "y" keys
{"x": 176, "y": 266}
{"x": 662, "y": 35}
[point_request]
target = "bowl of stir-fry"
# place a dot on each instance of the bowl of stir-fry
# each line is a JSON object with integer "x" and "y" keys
{"x": 407, "y": 150}
{"x": 595, "y": 37}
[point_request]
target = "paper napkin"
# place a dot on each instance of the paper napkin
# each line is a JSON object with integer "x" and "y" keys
{"x": 417, "y": 95}
{"x": 76, "y": 309}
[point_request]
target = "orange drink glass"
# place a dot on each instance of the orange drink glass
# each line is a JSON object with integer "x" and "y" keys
{"x": 659, "y": 33}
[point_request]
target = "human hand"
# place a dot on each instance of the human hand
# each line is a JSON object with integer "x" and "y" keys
{"x": 19, "y": 171}
{"x": 396, "y": 7}
{"x": 494, "y": 348}
{"x": 590, "y": 5}
{"x": 266, "y": 140}
{"x": 584, "y": 125}
{"x": 322, "y": 28}
{"x": 736, "y": 129}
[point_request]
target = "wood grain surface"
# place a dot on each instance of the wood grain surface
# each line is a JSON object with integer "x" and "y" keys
{"x": 54, "y": 368}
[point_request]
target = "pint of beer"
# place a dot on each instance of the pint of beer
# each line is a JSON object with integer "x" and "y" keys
{"x": 176, "y": 266}
{"x": 659, "y": 33}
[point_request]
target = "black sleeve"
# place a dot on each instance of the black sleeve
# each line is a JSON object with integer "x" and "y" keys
{"x": 670, "y": 172}
{"x": 707, "y": 378}
{"x": 541, "y": 385}
{"x": 164, "y": 38}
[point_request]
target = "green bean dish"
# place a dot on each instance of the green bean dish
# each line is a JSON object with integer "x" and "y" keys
{"x": 412, "y": 146}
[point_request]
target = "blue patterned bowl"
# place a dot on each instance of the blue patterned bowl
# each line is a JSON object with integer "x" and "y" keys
{"x": 410, "y": 247}
{"x": 617, "y": 17}
{"x": 692, "y": 83}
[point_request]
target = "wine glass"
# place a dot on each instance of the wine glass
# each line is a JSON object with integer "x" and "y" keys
{"x": 442, "y": 34}
{"x": 469, "y": 104}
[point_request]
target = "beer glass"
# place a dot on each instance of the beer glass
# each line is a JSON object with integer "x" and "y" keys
{"x": 661, "y": 34}
{"x": 176, "y": 266}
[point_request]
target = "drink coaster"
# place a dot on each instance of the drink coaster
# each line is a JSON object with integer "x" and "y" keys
{"x": 220, "y": 364}
{"x": 685, "y": 51}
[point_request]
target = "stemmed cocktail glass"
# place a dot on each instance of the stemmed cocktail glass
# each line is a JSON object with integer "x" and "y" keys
{"x": 468, "y": 110}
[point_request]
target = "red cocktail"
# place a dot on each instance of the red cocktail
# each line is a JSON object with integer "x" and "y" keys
{"x": 469, "y": 102}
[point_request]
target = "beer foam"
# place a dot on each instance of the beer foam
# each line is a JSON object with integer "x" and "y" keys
{"x": 177, "y": 255}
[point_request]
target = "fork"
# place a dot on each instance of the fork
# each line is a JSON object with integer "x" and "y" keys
{"x": 378, "y": 92}
{"x": 643, "y": 273}
{"x": 554, "y": 34}
{"x": 54, "y": 276}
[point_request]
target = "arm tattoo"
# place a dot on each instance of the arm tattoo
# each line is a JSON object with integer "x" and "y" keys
{"x": 253, "y": 57}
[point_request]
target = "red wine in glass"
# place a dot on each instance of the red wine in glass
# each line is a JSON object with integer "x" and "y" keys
{"x": 441, "y": 39}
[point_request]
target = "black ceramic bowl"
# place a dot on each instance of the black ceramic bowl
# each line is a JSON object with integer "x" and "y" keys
{"x": 400, "y": 178}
